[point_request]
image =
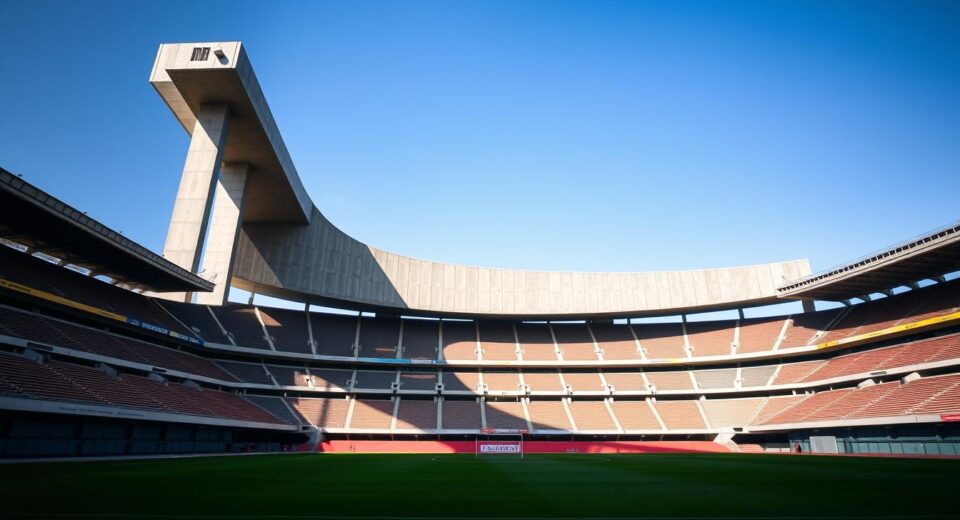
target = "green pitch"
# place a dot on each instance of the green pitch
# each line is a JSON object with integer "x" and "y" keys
{"x": 459, "y": 486}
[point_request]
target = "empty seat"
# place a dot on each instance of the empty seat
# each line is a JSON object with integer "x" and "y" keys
{"x": 379, "y": 337}
{"x": 661, "y": 340}
{"x": 680, "y": 415}
{"x": 323, "y": 413}
{"x": 422, "y": 381}
{"x": 635, "y": 415}
{"x": 536, "y": 342}
{"x": 591, "y": 415}
{"x": 615, "y": 341}
{"x": 371, "y": 414}
{"x": 415, "y": 414}
{"x": 574, "y": 341}
{"x": 287, "y": 329}
{"x": 711, "y": 338}
{"x": 548, "y": 415}
{"x": 334, "y": 335}
{"x": 497, "y": 341}
{"x": 459, "y": 340}
{"x": 421, "y": 339}
{"x": 505, "y": 415}
{"x": 584, "y": 381}
{"x": 543, "y": 381}
{"x": 461, "y": 415}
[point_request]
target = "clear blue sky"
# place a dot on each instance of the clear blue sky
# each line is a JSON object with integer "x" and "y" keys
{"x": 552, "y": 135}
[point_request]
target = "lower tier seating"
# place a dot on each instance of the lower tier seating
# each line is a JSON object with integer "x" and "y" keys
{"x": 63, "y": 381}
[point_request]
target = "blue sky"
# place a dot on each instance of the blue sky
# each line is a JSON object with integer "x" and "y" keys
{"x": 596, "y": 136}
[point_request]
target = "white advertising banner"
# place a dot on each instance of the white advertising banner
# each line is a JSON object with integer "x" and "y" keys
{"x": 500, "y": 447}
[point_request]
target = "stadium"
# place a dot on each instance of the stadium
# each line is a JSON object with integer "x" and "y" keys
{"x": 437, "y": 382}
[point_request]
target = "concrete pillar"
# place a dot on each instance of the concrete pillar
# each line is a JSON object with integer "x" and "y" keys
{"x": 221, "y": 249}
{"x": 808, "y": 306}
{"x": 191, "y": 211}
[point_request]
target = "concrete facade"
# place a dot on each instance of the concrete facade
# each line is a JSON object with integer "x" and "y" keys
{"x": 285, "y": 247}
{"x": 228, "y": 207}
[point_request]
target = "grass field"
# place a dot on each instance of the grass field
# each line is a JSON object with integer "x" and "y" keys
{"x": 459, "y": 486}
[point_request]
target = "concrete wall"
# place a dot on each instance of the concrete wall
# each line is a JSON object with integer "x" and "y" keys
{"x": 320, "y": 263}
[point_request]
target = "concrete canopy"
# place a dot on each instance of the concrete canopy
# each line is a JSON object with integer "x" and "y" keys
{"x": 927, "y": 256}
{"x": 285, "y": 247}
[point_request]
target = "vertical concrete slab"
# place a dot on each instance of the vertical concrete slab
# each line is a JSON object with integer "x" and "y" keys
{"x": 191, "y": 211}
{"x": 225, "y": 223}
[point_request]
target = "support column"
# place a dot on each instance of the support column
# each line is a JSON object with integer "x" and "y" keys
{"x": 191, "y": 211}
{"x": 221, "y": 248}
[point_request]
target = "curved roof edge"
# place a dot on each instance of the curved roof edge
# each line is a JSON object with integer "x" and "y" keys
{"x": 320, "y": 264}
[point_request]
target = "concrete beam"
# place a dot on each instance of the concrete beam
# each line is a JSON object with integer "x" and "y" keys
{"x": 191, "y": 210}
{"x": 218, "y": 259}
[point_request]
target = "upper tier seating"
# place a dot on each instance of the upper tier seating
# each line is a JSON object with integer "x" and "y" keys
{"x": 38, "y": 328}
{"x": 497, "y": 341}
{"x": 574, "y": 341}
{"x": 324, "y": 412}
{"x": 757, "y": 335}
{"x": 711, "y": 338}
{"x": 459, "y": 340}
{"x": 334, "y": 334}
{"x": 803, "y": 328}
{"x": 243, "y": 325}
{"x": 536, "y": 342}
{"x": 287, "y": 329}
{"x": 421, "y": 339}
{"x": 379, "y": 337}
{"x": 417, "y": 414}
{"x": 615, "y": 341}
{"x": 913, "y": 305}
{"x": 39, "y": 274}
{"x": 661, "y": 340}
{"x": 591, "y": 415}
{"x": 63, "y": 381}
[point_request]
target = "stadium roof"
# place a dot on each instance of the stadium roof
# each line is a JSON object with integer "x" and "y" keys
{"x": 928, "y": 256}
{"x": 36, "y": 219}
